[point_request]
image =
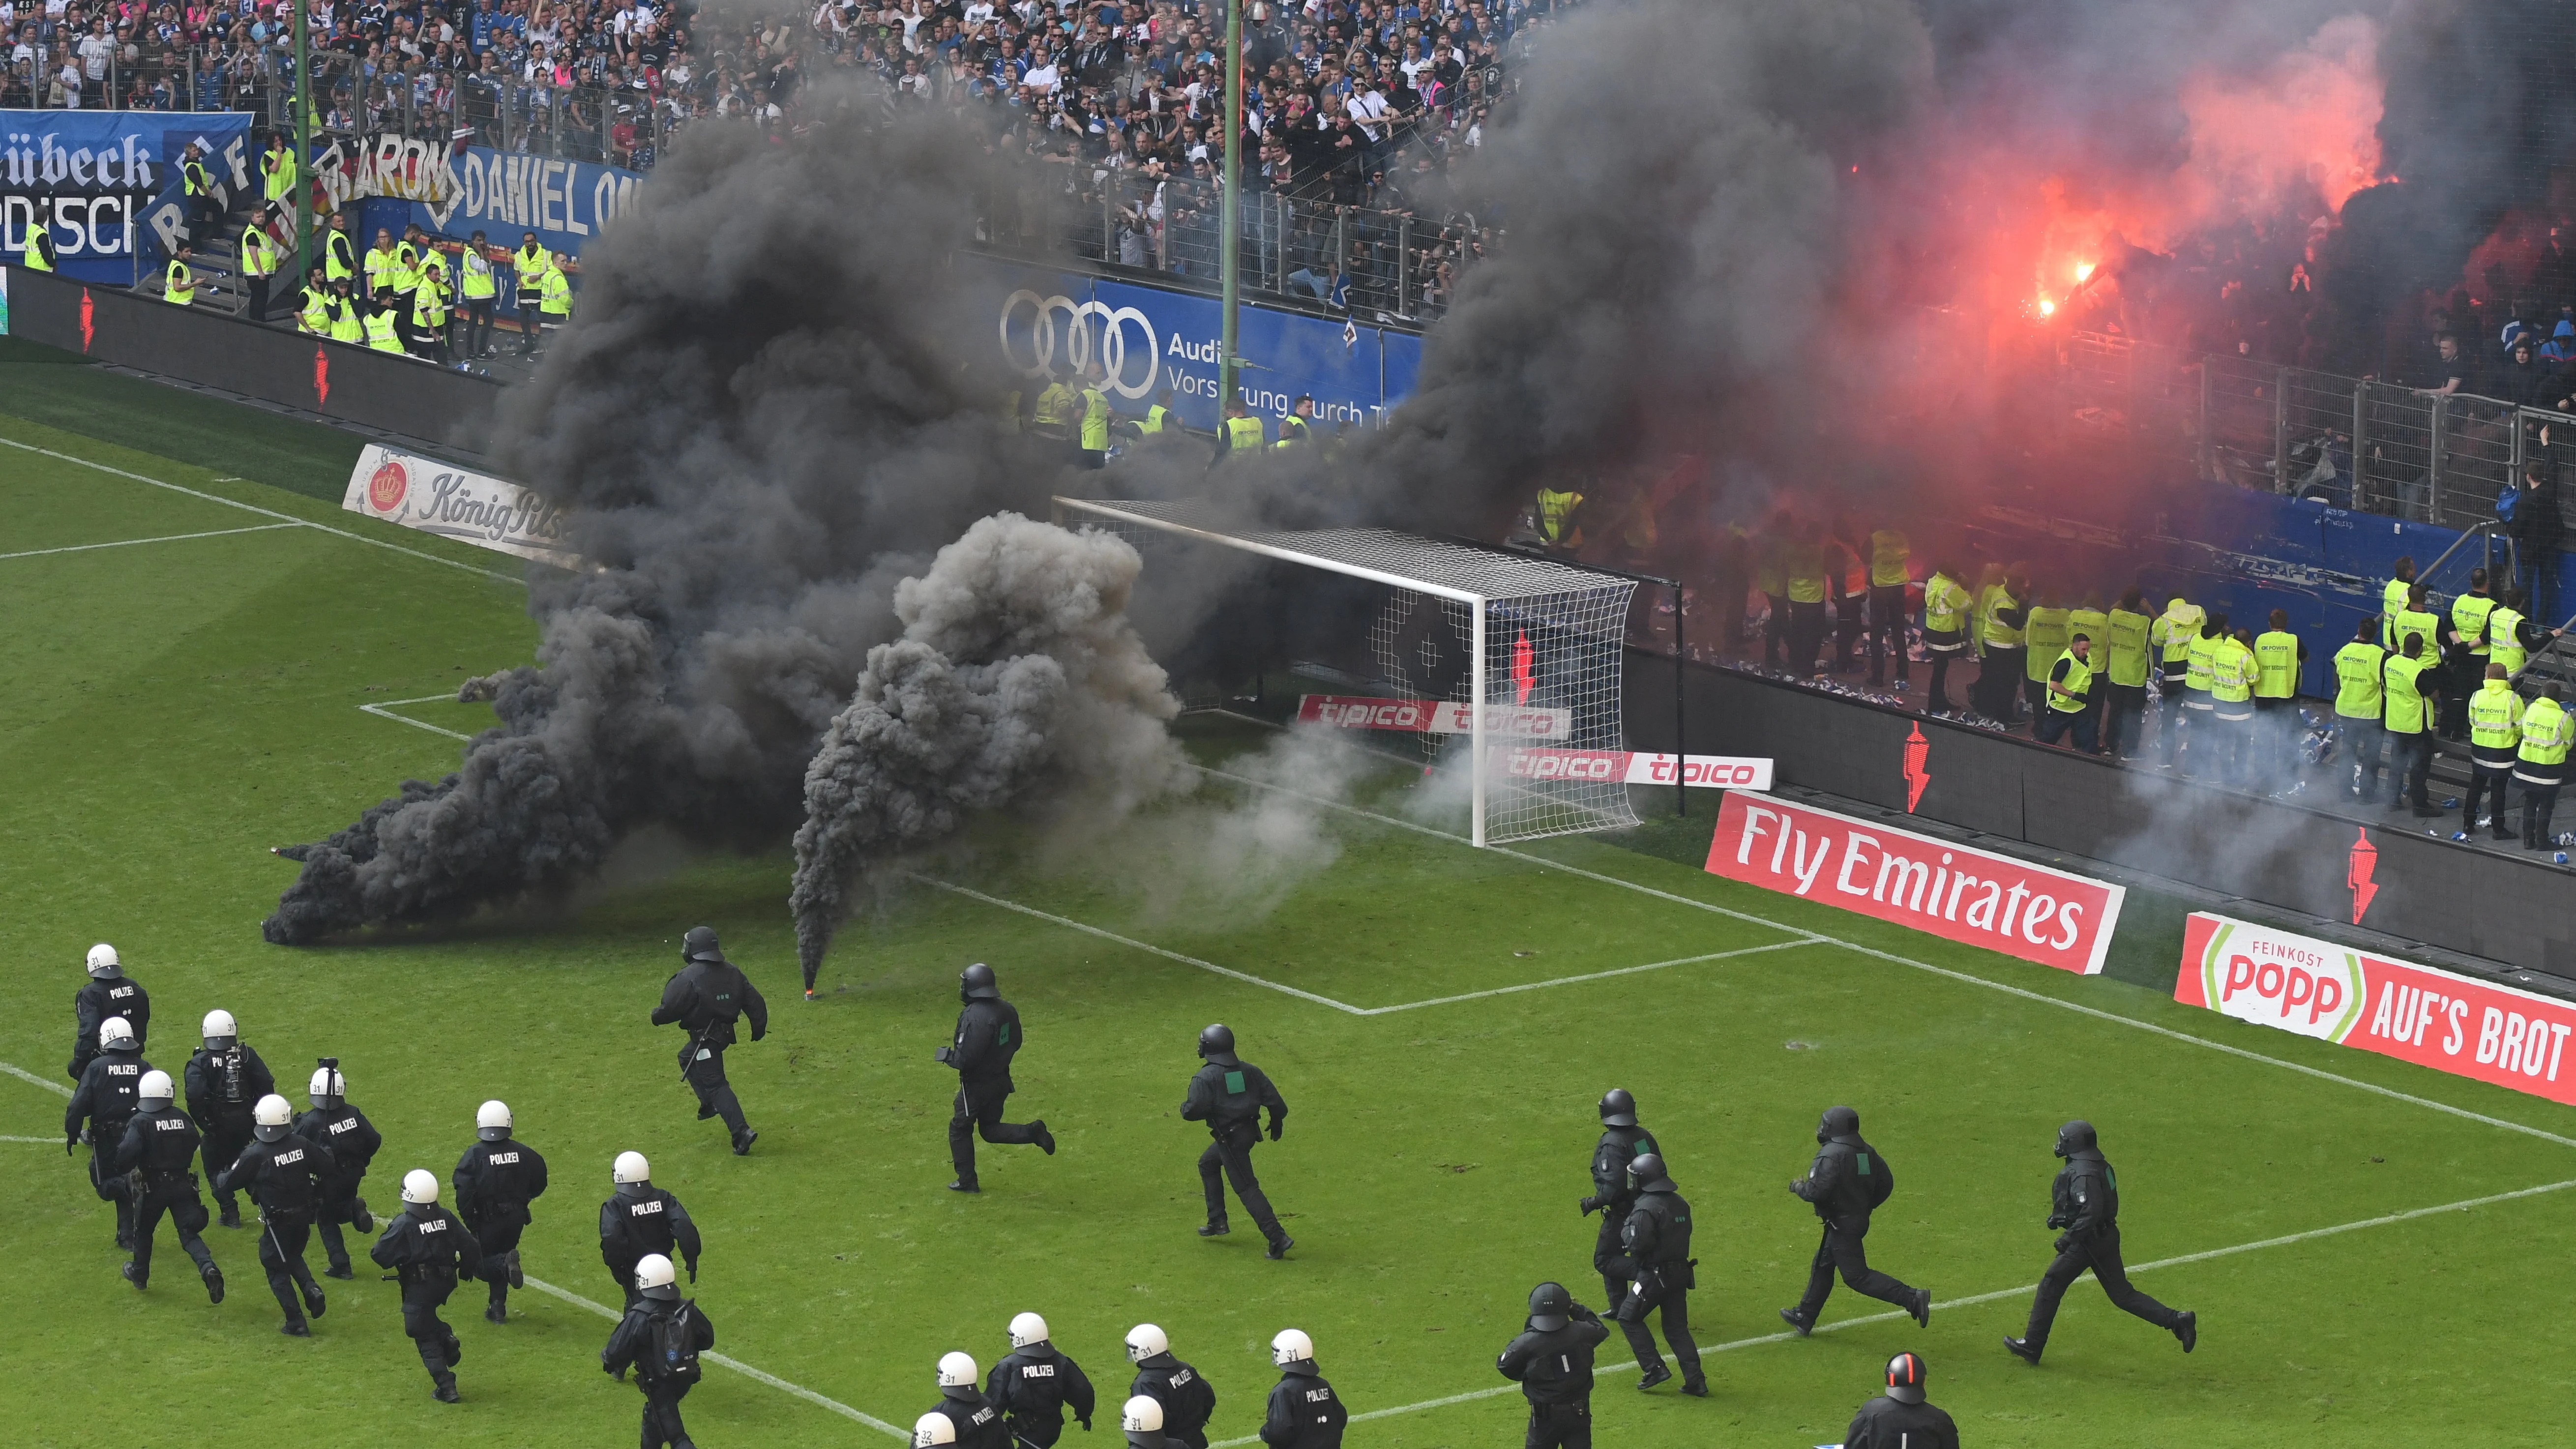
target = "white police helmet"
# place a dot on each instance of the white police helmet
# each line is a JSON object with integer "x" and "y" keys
{"x": 492, "y": 1121}
{"x": 933, "y": 1428}
{"x": 271, "y": 1118}
{"x": 653, "y": 1277}
{"x": 154, "y": 1085}
{"x": 1291, "y": 1345}
{"x": 1144, "y": 1341}
{"x": 103, "y": 963}
{"x": 956, "y": 1372}
{"x": 1027, "y": 1329}
{"x": 327, "y": 1086}
{"x": 219, "y": 1029}
{"x": 630, "y": 1170}
{"x": 116, "y": 1034}
{"x": 420, "y": 1185}
{"x": 1142, "y": 1419}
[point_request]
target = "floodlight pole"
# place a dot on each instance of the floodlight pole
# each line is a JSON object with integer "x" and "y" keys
{"x": 1230, "y": 205}
{"x": 303, "y": 145}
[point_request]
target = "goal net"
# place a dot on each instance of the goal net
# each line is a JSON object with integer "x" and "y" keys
{"x": 1498, "y": 666}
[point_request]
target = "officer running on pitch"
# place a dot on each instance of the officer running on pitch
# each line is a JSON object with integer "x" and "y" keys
{"x": 705, "y": 997}
{"x": 1034, "y": 1385}
{"x": 496, "y": 1179}
{"x": 283, "y": 1174}
{"x": 1847, "y": 1182}
{"x": 2085, "y": 1201}
{"x": 108, "y": 992}
{"x": 660, "y": 1338}
{"x": 1899, "y": 1418}
{"x": 1142, "y": 1422}
{"x": 225, "y": 1080}
{"x": 987, "y": 1037}
{"x": 154, "y": 1153}
{"x": 1229, "y": 1094}
{"x": 640, "y": 1220}
{"x": 427, "y": 1248}
{"x": 1621, "y": 1140}
{"x": 352, "y": 1140}
{"x": 1552, "y": 1362}
{"x": 1655, "y": 1249}
{"x": 977, "y": 1422}
{"x": 106, "y": 1099}
{"x": 1304, "y": 1411}
{"x": 1188, "y": 1400}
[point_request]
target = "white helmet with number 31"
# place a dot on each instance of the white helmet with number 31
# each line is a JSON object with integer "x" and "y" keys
{"x": 1291, "y": 1345}
{"x": 327, "y": 1088}
{"x": 933, "y": 1428}
{"x": 271, "y": 1118}
{"x": 155, "y": 1086}
{"x": 116, "y": 1034}
{"x": 1027, "y": 1330}
{"x": 1142, "y": 1421}
{"x": 630, "y": 1170}
{"x": 654, "y": 1278}
{"x": 420, "y": 1186}
{"x": 1144, "y": 1341}
{"x": 219, "y": 1029}
{"x": 103, "y": 963}
{"x": 492, "y": 1121}
{"x": 956, "y": 1373}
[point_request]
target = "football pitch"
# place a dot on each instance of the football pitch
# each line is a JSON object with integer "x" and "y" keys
{"x": 204, "y": 664}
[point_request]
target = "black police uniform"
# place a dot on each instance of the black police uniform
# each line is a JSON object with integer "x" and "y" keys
{"x": 1554, "y": 1369}
{"x": 1656, "y": 1249}
{"x": 1188, "y": 1400}
{"x": 96, "y": 1001}
{"x": 705, "y": 998}
{"x": 1883, "y": 1423}
{"x": 1846, "y": 1183}
{"x": 353, "y": 1142}
{"x": 630, "y": 1227}
{"x": 1612, "y": 1197}
{"x": 427, "y": 1247}
{"x": 1229, "y": 1094}
{"x": 2085, "y": 1201}
{"x": 105, "y": 1101}
{"x": 1033, "y": 1387}
{"x": 284, "y": 1178}
{"x": 987, "y": 1037}
{"x": 979, "y": 1422}
{"x": 223, "y": 1087}
{"x": 495, "y": 1182}
{"x": 1304, "y": 1413}
{"x": 154, "y": 1152}
{"x": 632, "y": 1344}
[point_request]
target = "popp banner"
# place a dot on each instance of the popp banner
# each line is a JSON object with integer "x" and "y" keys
{"x": 1953, "y": 891}
{"x": 2420, "y": 1014}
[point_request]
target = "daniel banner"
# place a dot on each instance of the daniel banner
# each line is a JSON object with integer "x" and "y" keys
{"x": 2418, "y": 1014}
{"x": 1954, "y": 891}
{"x": 440, "y": 498}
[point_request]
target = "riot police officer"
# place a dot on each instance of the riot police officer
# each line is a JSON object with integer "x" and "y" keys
{"x": 225, "y": 1081}
{"x": 427, "y": 1248}
{"x": 1188, "y": 1400}
{"x": 1304, "y": 1411}
{"x": 1229, "y": 1094}
{"x": 352, "y": 1140}
{"x": 1654, "y": 1249}
{"x": 154, "y": 1153}
{"x": 977, "y": 1422}
{"x": 1899, "y": 1418}
{"x": 987, "y": 1037}
{"x": 1845, "y": 1184}
{"x": 932, "y": 1429}
{"x": 105, "y": 1100}
{"x": 1552, "y": 1362}
{"x": 660, "y": 1338}
{"x": 283, "y": 1174}
{"x": 705, "y": 997}
{"x": 1621, "y": 1140}
{"x": 2085, "y": 1201}
{"x": 640, "y": 1220}
{"x": 1034, "y": 1385}
{"x": 495, "y": 1180}
{"x": 108, "y": 992}
{"x": 1141, "y": 1420}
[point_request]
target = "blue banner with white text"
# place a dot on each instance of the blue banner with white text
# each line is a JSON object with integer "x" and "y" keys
{"x": 107, "y": 183}
{"x": 506, "y": 195}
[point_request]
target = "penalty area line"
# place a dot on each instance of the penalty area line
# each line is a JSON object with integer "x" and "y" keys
{"x": 386, "y": 711}
{"x": 164, "y": 538}
{"x": 50, "y": 1085}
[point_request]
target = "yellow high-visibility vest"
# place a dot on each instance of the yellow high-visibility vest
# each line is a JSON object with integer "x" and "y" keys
{"x": 2127, "y": 647}
{"x": 179, "y": 286}
{"x": 2276, "y": 664}
{"x": 1242, "y": 433}
{"x": 1889, "y": 552}
{"x": 2357, "y": 679}
{"x": 2504, "y": 640}
{"x": 2404, "y": 694}
{"x": 2044, "y": 631}
{"x": 381, "y": 334}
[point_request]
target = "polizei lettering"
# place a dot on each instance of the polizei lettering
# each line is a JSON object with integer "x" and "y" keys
{"x": 501, "y": 1159}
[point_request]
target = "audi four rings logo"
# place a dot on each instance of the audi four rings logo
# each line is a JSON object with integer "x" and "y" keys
{"x": 1034, "y": 351}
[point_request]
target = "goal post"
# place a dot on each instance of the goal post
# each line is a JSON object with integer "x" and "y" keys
{"x": 1496, "y": 665}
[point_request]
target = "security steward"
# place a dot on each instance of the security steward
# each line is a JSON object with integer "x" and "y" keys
{"x": 2200, "y": 663}
{"x": 108, "y": 992}
{"x": 1621, "y": 1140}
{"x": 40, "y": 255}
{"x": 2409, "y": 725}
{"x": 1891, "y": 557}
{"x": 1239, "y": 433}
{"x": 260, "y": 257}
{"x": 1947, "y": 605}
{"x": 98, "y": 1111}
{"x": 2085, "y": 1201}
{"x": 2170, "y": 637}
{"x": 660, "y": 1338}
{"x": 226, "y": 1080}
{"x": 1229, "y": 1094}
{"x": 2231, "y": 705}
{"x": 179, "y": 282}
{"x": 313, "y": 310}
{"x": 1187, "y": 1398}
{"x": 353, "y": 1142}
{"x": 478, "y": 289}
{"x": 2512, "y": 634}
{"x": 2495, "y": 743}
{"x": 640, "y": 1221}
{"x": 1655, "y": 1253}
{"x": 1034, "y": 1384}
{"x": 1848, "y": 1181}
{"x": 2469, "y": 617}
{"x": 2541, "y": 764}
{"x": 1560, "y": 517}
{"x": 1900, "y": 1418}
{"x": 339, "y": 250}
{"x": 1304, "y": 1412}
{"x": 2278, "y": 656}
{"x": 2044, "y": 634}
{"x": 427, "y": 1248}
{"x": 1058, "y": 410}
{"x": 153, "y": 1156}
{"x": 1999, "y": 676}
{"x": 199, "y": 188}
{"x": 2124, "y": 666}
{"x": 1092, "y": 450}
{"x": 2358, "y": 706}
{"x": 347, "y": 320}
{"x": 977, "y": 1422}
{"x": 495, "y": 1180}
{"x": 283, "y": 1174}
{"x": 2392, "y": 600}
{"x": 987, "y": 1037}
{"x": 383, "y": 323}
{"x": 2070, "y": 698}
{"x": 704, "y": 998}
{"x": 529, "y": 266}
{"x": 1552, "y": 1362}
{"x": 554, "y": 306}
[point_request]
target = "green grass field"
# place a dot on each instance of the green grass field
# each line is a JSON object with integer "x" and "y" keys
{"x": 178, "y": 706}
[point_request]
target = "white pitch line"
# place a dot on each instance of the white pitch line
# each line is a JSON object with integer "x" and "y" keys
{"x": 263, "y": 512}
{"x": 165, "y": 538}
{"x": 30, "y": 1139}
{"x": 1972, "y": 1300}
{"x": 48, "y": 1083}
{"x": 386, "y": 711}
{"x": 1960, "y": 976}
{"x": 1594, "y": 976}
{"x": 738, "y": 1366}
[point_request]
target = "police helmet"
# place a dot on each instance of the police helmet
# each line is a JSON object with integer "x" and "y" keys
{"x": 1646, "y": 1173}
{"x": 1618, "y": 1109}
{"x": 1291, "y": 1345}
{"x": 103, "y": 964}
{"x": 632, "y": 1174}
{"x": 933, "y": 1428}
{"x": 155, "y": 1086}
{"x": 1551, "y": 1307}
{"x": 654, "y": 1278}
{"x": 492, "y": 1121}
{"x": 1837, "y": 1122}
{"x": 1142, "y": 1422}
{"x": 700, "y": 945}
{"x": 2074, "y": 1137}
{"x": 420, "y": 1186}
{"x": 219, "y": 1029}
{"x": 977, "y": 981}
{"x": 1216, "y": 1043}
{"x": 1028, "y": 1331}
{"x": 957, "y": 1375}
{"x": 1905, "y": 1379}
{"x": 116, "y": 1034}
{"x": 328, "y": 1088}
{"x": 271, "y": 1118}
{"x": 1145, "y": 1341}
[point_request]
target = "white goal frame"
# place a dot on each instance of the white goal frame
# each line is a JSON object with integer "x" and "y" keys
{"x": 1473, "y": 578}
